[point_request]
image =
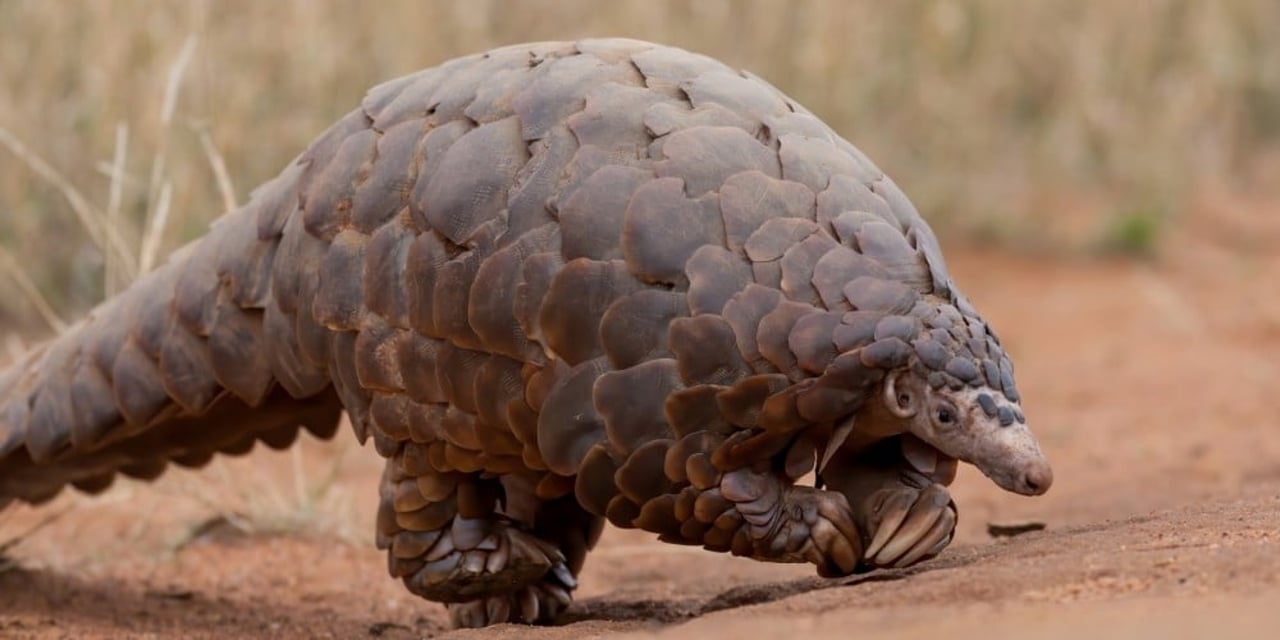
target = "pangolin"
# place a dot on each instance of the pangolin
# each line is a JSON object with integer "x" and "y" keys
{"x": 558, "y": 284}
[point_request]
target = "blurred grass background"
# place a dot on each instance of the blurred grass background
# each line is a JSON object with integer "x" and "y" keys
{"x": 1053, "y": 125}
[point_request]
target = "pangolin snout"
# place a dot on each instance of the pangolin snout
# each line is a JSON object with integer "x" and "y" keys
{"x": 1035, "y": 480}
{"x": 1011, "y": 457}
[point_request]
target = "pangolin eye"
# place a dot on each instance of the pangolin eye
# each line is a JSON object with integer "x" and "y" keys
{"x": 945, "y": 415}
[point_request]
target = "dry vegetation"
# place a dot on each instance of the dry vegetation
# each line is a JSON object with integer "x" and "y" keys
{"x": 1055, "y": 124}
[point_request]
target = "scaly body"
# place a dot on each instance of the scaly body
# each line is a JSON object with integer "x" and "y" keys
{"x": 556, "y": 284}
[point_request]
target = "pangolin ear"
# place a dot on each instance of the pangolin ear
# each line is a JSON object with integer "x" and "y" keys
{"x": 899, "y": 400}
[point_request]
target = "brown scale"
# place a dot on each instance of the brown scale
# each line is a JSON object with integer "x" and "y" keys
{"x": 846, "y": 224}
{"x": 715, "y": 275}
{"x": 798, "y": 264}
{"x": 318, "y": 157}
{"x": 586, "y": 161}
{"x": 401, "y": 99}
{"x": 574, "y": 304}
{"x": 312, "y": 338}
{"x": 631, "y": 403}
{"x": 773, "y": 332}
{"x": 810, "y": 340}
{"x": 540, "y": 105}
{"x": 185, "y": 371}
{"x": 664, "y": 117}
{"x": 899, "y": 205}
{"x": 92, "y": 407}
{"x": 339, "y": 301}
{"x": 194, "y": 299}
{"x": 749, "y": 97}
{"x": 592, "y": 219}
{"x": 773, "y": 238}
{"x": 748, "y": 200}
{"x": 886, "y": 246}
{"x": 300, "y": 377}
{"x": 328, "y": 204}
{"x": 704, "y": 157}
{"x": 531, "y": 201}
{"x": 496, "y": 283}
{"x": 342, "y": 369}
{"x": 554, "y": 283}
{"x": 238, "y": 354}
{"x": 640, "y": 478}
{"x": 742, "y": 403}
{"x": 846, "y": 200}
{"x": 694, "y": 408}
{"x": 634, "y": 328}
{"x": 468, "y": 188}
{"x": 451, "y": 297}
{"x": 664, "y": 227}
{"x": 814, "y": 161}
{"x": 837, "y": 267}
{"x": 377, "y": 360}
{"x": 744, "y": 313}
{"x": 386, "y": 258}
{"x": 497, "y": 384}
{"x": 671, "y": 67}
{"x": 614, "y": 115}
{"x": 568, "y": 423}
{"x": 706, "y": 350}
{"x": 138, "y": 390}
{"x": 385, "y": 189}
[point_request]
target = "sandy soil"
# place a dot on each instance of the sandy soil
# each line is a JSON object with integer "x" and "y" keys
{"x": 1151, "y": 385}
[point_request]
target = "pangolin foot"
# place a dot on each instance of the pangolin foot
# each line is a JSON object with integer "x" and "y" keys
{"x": 786, "y": 523}
{"x": 490, "y": 572}
{"x": 533, "y": 604}
{"x": 907, "y": 525}
{"x": 824, "y": 523}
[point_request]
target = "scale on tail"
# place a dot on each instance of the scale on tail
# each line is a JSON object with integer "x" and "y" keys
{"x": 558, "y": 284}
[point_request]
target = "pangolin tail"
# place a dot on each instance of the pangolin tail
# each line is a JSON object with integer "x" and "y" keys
{"x": 206, "y": 354}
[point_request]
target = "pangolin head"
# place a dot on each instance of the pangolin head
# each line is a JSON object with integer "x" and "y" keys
{"x": 932, "y": 368}
{"x": 957, "y": 394}
{"x": 978, "y": 425}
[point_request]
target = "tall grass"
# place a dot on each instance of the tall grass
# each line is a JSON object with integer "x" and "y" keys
{"x": 1015, "y": 120}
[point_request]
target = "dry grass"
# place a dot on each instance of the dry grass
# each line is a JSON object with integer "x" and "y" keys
{"x": 272, "y": 492}
{"x": 316, "y": 489}
{"x": 7, "y": 563}
{"x": 1024, "y": 121}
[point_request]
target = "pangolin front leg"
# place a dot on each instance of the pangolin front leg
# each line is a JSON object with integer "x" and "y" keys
{"x": 898, "y": 491}
{"x": 771, "y": 519}
{"x": 887, "y": 506}
{"x": 688, "y": 493}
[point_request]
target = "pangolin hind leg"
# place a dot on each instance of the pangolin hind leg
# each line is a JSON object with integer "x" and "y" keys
{"x": 568, "y": 530}
{"x": 898, "y": 491}
{"x": 486, "y": 547}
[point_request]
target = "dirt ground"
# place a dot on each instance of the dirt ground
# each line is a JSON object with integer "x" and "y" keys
{"x": 1152, "y": 386}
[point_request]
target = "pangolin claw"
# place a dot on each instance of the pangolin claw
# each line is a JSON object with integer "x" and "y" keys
{"x": 503, "y": 587}
{"x": 909, "y": 524}
{"x": 538, "y": 603}
{"x": 459, "y": 575}
{"x": 823, "y": 522}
